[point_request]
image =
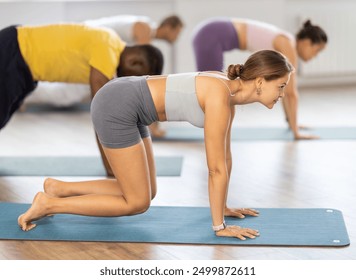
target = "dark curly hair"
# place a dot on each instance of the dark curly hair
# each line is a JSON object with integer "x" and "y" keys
{"x": 313, "y": 32}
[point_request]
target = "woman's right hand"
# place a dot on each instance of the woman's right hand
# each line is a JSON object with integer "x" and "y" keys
{"x": 238, "y": 232}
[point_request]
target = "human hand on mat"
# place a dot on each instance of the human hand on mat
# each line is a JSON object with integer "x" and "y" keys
{"x": 240, "y": 212}
{"x": 238, "y": 232}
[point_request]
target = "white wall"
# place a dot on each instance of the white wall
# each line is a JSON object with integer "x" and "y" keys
{"x": 339, "y": 21}
{"x": 283, "y": 13}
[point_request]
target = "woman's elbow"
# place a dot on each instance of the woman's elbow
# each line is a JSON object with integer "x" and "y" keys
{"x": 216, "y": 171}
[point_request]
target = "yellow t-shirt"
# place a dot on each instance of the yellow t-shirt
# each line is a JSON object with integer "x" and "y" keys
{"x": 65, "y": 52}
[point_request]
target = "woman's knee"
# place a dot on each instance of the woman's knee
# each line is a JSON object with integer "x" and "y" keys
{"x": 153, "y": 186}
{"x": 140, "y": 206}
{"x": 153, "y": 192}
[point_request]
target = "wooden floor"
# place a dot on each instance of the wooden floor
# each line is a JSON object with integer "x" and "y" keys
{"x": 303, "y": 174}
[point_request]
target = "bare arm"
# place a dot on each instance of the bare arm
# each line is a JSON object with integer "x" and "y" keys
{"x": 228, "y": 144}
{"x": 218, "y": 118}
{"x": 142, "y": 33}
{"x": 290, "y": 105}
{"x": 98, "y": 80}
{"x": 291, "y": 99}
{"x": 234, "y": 212}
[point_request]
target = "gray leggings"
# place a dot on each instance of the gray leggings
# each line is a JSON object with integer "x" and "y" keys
{"x": 121, "y": 111}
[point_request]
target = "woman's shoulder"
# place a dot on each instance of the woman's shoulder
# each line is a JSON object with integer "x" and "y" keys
{"x": 213, "y": 88}
{"x": 284, "y": 43}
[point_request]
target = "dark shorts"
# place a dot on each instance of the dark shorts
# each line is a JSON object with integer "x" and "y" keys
{"x": 16, "y": 80}
{"x": 121, "y": 111}
{"x": 211, "y": 39}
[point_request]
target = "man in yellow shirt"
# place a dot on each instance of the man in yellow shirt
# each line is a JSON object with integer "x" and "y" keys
{"x": 72, "y": 53}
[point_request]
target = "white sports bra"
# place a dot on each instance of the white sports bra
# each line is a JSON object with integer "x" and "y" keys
{"x": 181, "y": 102}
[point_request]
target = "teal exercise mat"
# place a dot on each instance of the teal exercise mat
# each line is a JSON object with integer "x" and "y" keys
{"x": 183, "y": 225}
{"x": 260, "y": 133}
{"x": 75, "y": 166}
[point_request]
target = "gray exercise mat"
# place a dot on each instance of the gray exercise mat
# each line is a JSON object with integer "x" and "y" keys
{"x": 260, "y": 133}
{"x": 184, "y": 225}
{"x": 75, "y": 166}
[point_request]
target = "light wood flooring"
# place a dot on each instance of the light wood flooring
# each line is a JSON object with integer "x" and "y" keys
{"x": 283, "y": 174}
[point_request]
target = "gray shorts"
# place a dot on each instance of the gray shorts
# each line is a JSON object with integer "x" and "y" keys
{"x": 121, "y": 111}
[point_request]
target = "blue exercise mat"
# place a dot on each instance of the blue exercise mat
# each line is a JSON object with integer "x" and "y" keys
{"x": 260, "y": 133}
{"x": 183, "y": 225}
{"x": 75, "y": 166}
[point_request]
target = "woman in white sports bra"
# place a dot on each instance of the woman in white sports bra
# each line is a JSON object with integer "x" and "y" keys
{"x": 121, "y": 112}
{"x": 235, "y": 33}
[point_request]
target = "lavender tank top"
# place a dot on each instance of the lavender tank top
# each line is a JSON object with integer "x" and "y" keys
{"x": 260, "y": 35}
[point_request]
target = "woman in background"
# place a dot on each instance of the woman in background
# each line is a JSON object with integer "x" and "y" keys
{"x": 215, "y": 36}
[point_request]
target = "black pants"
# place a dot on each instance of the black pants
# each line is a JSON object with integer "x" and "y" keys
{"x": 16, "y": 81}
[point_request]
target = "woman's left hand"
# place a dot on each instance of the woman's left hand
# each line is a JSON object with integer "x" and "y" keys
{"x": 240, "y": 212}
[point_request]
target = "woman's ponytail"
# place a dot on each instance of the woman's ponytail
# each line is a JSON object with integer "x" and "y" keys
{"x": 234, "y": 71}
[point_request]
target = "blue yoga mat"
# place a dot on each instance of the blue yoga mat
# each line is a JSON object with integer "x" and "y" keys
{"x": 183, "y": 225}
{"x": 75, "y": 166}
{"x": 260, "y": 133}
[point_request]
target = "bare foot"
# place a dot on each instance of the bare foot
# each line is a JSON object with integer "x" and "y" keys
{"x": 50, "y": 187}
{"x": 36, "y": 212}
